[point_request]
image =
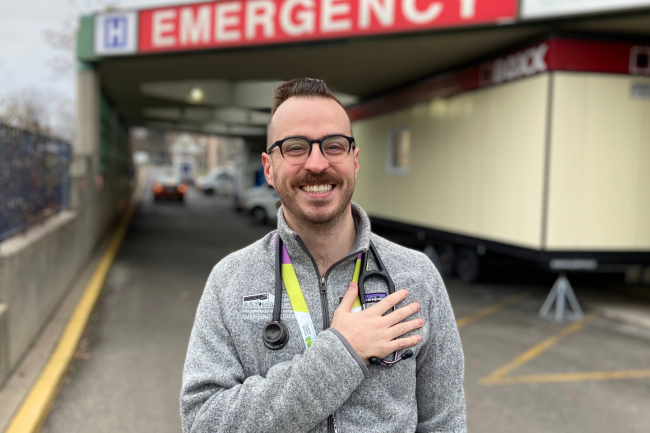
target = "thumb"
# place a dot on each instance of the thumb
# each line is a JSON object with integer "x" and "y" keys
{"x": 349, "y": 297}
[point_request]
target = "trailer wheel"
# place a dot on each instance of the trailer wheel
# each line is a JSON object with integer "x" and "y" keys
{"x": 468, "y": 266}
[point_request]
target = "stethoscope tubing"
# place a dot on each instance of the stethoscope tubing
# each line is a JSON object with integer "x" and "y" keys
{"x": 382, "y": 274}
{"x": 275, "y": 327}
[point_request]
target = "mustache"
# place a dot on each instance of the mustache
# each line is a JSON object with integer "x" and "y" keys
{"x": 316, "y": 179}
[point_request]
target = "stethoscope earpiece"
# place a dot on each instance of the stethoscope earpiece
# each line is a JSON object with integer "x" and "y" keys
{"x": 275, "y": 335}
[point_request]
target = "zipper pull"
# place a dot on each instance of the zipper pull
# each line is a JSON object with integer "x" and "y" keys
{"x": 322, "y": 281}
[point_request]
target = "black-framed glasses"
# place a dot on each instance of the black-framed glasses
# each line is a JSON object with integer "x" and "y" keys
{"x": 296, "y": 150}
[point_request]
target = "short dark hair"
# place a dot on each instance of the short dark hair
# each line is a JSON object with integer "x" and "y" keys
{"x": 302, "y": 88}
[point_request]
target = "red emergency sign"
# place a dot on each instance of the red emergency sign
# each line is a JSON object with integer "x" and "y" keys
{"x": 231, "y": 23}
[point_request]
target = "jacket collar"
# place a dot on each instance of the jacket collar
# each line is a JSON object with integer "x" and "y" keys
{"x": 298, "y": 250}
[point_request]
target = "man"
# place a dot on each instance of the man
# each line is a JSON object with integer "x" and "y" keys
{"x": 233, "y": 382}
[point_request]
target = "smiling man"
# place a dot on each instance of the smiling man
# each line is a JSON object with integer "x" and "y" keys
{"x": 307, "y": 354}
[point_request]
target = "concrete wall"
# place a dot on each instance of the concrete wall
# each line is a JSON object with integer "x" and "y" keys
{"x": 38, "y": 268}
{"x": 477, "y": 163}
{"x": 599, "y": 191}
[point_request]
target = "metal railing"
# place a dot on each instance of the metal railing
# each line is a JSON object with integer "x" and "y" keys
{"x": 34, "y": 179}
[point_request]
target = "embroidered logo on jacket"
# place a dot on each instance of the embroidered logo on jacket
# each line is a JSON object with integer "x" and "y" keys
{"x": 254, "y": 306}
{"x": 373, "y": 298}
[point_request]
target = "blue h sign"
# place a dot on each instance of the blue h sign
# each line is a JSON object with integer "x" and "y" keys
{"x": 115, "y": 32}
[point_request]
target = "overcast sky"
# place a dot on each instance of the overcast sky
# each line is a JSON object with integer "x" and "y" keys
{"x": 25, "y": 56}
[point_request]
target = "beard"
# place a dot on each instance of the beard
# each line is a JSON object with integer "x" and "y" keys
{"x": 320, "y": 214}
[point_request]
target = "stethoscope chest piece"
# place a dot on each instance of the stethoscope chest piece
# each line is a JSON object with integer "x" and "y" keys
{"x": 276, "y": 335}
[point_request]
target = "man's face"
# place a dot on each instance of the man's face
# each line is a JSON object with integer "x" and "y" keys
{"x": 313, "y": 118}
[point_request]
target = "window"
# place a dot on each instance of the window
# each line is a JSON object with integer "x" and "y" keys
{"x": 398, "y": 153}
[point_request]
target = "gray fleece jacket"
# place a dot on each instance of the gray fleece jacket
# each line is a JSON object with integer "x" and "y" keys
{"x": 233, "y": 383}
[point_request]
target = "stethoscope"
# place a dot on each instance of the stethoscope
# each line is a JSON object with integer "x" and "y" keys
{"x": 276, "y": 335}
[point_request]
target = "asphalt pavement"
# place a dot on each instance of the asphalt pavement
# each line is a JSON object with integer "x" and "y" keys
{"x": 127, "y": 375}
{"x": 523, "y": 373}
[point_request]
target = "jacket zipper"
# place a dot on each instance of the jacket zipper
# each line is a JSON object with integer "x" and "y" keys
{"x": 331, "y": 422}
{"x": 323, "y": 281}
{"x": 324, "y": 304}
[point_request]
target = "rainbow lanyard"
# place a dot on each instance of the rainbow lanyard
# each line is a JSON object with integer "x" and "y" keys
{"x": 297, "y": 299}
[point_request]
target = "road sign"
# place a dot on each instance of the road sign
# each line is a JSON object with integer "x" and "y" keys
{"x": 116, "y": 33}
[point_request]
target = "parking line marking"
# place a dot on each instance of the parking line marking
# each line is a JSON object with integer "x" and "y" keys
{"x": 497, "y": 375}
{"x": 572, "y": 377}
{"x": 490, "y": 309}
{"x": 33, "y": 411}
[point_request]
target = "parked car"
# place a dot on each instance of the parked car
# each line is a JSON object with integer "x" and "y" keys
{"x": 217, "y": 181}
{"x": 261, "y": 202}
{"x": 169, "y": 188}
{"x": 141, "y": 158}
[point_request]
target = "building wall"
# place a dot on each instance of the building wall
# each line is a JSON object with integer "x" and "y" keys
{"x": 476, "y": 163}
{"x": 599, "y": 190}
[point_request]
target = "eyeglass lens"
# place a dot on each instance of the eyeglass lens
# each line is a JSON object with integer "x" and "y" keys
{"x": 334, "y": 148}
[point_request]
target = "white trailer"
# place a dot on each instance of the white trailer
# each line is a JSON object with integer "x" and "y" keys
{"x": 542, "y": 153}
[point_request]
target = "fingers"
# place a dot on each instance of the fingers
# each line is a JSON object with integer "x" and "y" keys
{"x": 389, "y": 302}
{"x": 402, "y": 313}
{"x": 350, "y": 296}
{"x": 404, "y": 343}
{"x": 402, "y": 328}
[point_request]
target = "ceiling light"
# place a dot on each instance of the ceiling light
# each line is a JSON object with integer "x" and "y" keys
{"x": 196, "y": 95}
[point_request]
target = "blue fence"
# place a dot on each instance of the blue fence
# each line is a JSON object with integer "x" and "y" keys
{"x": 34, "y": 179}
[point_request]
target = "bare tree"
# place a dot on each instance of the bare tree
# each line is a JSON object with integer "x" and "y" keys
{"x": 40, "y": 112}
{"x": 44, "y": 111}
{"x": 23, "y": 112}
{"x": 63, "y": 39}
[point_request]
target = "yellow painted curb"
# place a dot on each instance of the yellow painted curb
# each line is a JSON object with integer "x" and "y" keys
{"x": 34, "y": 409}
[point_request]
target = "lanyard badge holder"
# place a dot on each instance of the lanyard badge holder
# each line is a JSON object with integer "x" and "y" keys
{"x": 276, "y": 334}
{"x": 381, "y": 274}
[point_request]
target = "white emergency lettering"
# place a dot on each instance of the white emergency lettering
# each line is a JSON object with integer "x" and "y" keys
{"x": 260, "y": 13}
{"x": 164, "y": 23}
{"x": 226, "y": 17}
{"x": 246, "y": 22}
{"x": 518, "y": 65}
{"x": 195, "y": 29}
{"x": 305, "y": 19}
{"x": 467, "y": 9}
{"x": 411, "y": 12}
{"x": 332, "y": 12}
{"x": 383, "y": 10}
